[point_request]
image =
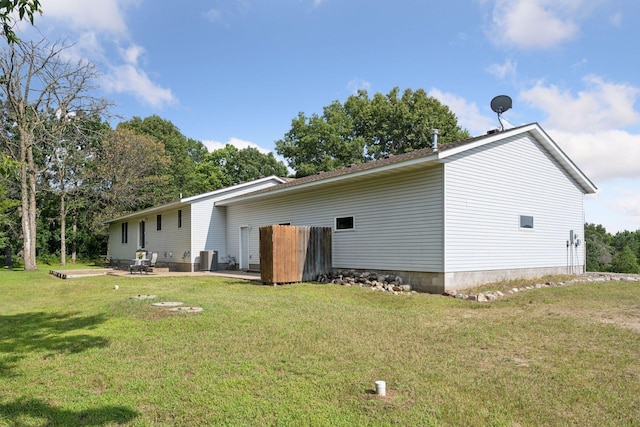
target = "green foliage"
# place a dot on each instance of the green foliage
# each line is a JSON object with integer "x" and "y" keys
{"x": 619, "y": 253}
{"x": 625, "y": 261}
{"x": 25, "y": 8}
{"x": 184, "y": 152}
{"x": 626, "y": 238}
{"x": 598, "y": 246}
{"x": 366, "y": 128}
{"x": 230, "y": 165}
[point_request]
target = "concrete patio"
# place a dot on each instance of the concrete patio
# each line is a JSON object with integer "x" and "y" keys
{"x": 158, "y": 272}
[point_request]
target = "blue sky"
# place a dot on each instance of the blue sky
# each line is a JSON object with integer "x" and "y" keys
{"x": 238, "y": 71}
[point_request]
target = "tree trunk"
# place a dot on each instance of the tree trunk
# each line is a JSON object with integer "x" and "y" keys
{"x": 74, "y": 242}
{"x": 28, "y": 231}
{"x": 30, "y": 250}
{"x": 63, "y": 232}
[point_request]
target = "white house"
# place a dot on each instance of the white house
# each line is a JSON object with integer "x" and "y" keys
{"x": 179, "y": 231}
{"x": 503, "y": 205}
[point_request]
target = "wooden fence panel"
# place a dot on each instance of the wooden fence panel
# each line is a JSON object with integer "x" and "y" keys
{"x": 291, "y": 254}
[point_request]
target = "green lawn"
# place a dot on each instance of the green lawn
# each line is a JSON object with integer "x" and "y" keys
{"x": 77, "y": 352}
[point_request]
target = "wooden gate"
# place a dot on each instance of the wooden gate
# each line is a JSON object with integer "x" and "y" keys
{"x": 291, "y": 254}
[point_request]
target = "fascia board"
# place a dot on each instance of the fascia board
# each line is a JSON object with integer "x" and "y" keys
{"x": 233, "y": 188}
{"x": 147, "y": 211}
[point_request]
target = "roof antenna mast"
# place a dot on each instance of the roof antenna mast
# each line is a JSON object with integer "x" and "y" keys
{"x": 499, "y": 105}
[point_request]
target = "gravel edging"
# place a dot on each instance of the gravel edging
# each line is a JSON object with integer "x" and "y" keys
{"x": 489, "y": 296}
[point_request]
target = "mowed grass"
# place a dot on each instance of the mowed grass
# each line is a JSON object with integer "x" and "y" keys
{"x": 77, "y": 352}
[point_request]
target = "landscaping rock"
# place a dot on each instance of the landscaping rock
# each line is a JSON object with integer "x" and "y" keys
{"x": 366, "y": 279}
{"x": 587, "y": 277}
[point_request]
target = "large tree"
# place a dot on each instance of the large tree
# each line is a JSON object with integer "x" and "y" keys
{"x": 129, "y": 173}
{"x": 41, "y": 91}
{"x": 598, "y": 247}
{"x": 230, "y": 165}
{"x": 73, "y": 148}
{"x": 366, "y": 128}
{"x": 184, "y": 152}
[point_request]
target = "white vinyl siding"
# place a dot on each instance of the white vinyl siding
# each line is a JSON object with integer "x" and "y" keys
{"x": 489, "y": 188}
{"x": 398, "y": 219}
{"x": 117, "y": 249}
{"x": 171, "y": 242}
{"x": 209, "y": 231}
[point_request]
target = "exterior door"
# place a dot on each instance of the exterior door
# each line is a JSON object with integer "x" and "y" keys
{"x": 244, "y": 248}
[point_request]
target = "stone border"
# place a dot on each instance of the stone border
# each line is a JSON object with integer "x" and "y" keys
{"x": 583, "y": 278}
{"x": 394, "y": 284}
{"x": 377, "y": 282}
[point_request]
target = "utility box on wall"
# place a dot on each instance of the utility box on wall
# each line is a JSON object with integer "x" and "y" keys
{"x": 208, "y": 260}
{"x": 290, "y": 254}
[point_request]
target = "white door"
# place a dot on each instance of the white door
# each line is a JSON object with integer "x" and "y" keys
{"x": 244, "y": 248}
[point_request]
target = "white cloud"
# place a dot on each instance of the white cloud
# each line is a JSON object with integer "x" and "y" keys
{"x": 533, "y": 24}
{"x": 97, "y": 31}
{"x": 602, "y": 156}
{"x": 128, "y": 79}
{"x": 628, "y": 203}
{"x": 214, "y": 15}
{"x": 501, "y": 71}
{"x": 616, "y": 20}
{"x": 603, "y": 105}
{"x": 468, "y": 113}
{"x": 213, "y": 145}
{"x": 99, "y": 16}
{"x": 356, "y": 84}
{"x": 132, "y": 54}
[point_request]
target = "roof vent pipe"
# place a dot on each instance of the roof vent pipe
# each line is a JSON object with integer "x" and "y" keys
{"x": 434, "y": 140}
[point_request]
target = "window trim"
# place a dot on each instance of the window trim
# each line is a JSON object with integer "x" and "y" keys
{"x": 528, "y": 225}
{"x": 343, "y": 229}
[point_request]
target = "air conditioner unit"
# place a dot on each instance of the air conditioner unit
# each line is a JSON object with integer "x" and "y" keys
{"x": 208, "y": 260}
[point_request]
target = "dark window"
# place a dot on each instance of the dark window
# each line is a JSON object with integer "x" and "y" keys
{"x": 158, "y": 222}
{"x": 345, "y": 223}
{"x": 125, "y": 232}
{"x": 142, "y": 234}
{"x": 180, "y": 218}
{"x": 526, "y": 221}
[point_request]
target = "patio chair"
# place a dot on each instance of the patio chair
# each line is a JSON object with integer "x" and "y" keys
{"x": 136, "y": 266}
{"x": 146, "y": 268}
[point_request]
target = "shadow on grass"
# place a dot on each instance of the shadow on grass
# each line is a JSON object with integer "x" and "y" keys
{"x": 49, "y": 333}
{"x": 32, "y": 408}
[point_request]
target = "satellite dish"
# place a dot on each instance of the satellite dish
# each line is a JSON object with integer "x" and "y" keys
{"x": 499, "y": 105}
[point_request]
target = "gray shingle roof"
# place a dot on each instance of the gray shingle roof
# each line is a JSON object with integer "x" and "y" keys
{"x": 388, "y": 160}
